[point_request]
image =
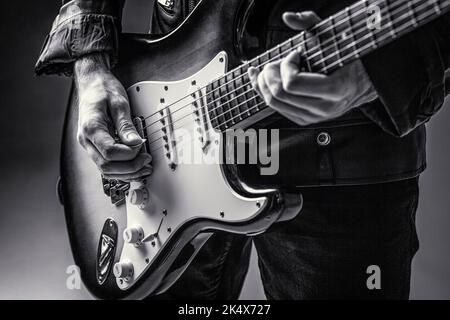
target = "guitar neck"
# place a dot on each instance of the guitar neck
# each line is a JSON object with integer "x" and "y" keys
{"x": 339, "y": 40}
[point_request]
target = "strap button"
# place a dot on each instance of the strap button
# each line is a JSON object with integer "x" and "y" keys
{"x": 323, "y": 139}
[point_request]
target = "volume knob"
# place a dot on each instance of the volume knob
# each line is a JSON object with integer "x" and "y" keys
{"x": 123, "y": 270}
{"x": 139, "y": 197}
{"x": 133, "y": 235}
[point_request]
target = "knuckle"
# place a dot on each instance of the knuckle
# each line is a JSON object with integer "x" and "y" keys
{"x": 278, "y": 90}
{"x": 269, "y": 99}
{"x": 80, "y": 138}
{"x": 125, "y": 125}
{"x": 89, "y": 126}
{"x": 288, "y": 83}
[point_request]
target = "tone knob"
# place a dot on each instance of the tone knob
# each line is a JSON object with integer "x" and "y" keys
{"x": 139, "y": 197}
{"x": 123, "y": 270}
{"x": 133, "y": 235}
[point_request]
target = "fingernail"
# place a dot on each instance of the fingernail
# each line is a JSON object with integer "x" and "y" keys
{"x": 139, "y": 144}
{"x": 133, "y": 136}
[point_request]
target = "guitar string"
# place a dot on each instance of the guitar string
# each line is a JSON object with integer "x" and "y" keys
{"x": 351, "y": 44}
{"x": 319, "y": 52}
{"x": 215, "y": 90}
{"x": 239, "y": 115}
{"x": 243, "y": 76}
{"x": 322, "y": 61}
{"x": 261, "y": 103}
{"x": 322, "y": 32}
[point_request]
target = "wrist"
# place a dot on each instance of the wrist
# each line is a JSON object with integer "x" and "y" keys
{"x": 90, "y": 65}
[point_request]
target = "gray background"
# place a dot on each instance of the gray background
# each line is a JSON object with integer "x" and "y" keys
{"x": 34, "y": 249}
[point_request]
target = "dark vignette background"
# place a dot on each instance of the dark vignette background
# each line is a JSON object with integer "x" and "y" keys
{"x": 34, "y": 248}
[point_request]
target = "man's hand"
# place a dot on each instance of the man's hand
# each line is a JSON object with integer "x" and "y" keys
{"x": 310, "y": 98}
{"x": 104, "y": 108}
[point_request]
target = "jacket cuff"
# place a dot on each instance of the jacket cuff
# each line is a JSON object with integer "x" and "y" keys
{"x": 81, "y": 28}
{"x": 408, "y": 76}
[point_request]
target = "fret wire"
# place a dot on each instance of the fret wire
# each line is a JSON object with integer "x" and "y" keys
{"x": 333, "y": 34}
{"x": 319, "y": 47}
{"x": 412, "y": 14}
{"x": 352, "y": 36}
{"x": 237, "y": 85}
{"x": 436, "y": 6}
{"x": 304, "y": 52}
{"x": 391, "y": 22}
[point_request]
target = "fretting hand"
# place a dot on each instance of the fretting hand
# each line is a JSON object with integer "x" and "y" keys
{"x": 310, "y": 98}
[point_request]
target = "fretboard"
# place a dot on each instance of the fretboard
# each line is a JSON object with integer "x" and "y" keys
{"x": 342, "y": 38}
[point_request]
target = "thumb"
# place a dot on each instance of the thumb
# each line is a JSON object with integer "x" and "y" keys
{"x": 301, "y": 20}
{"x": 125, "y": 127}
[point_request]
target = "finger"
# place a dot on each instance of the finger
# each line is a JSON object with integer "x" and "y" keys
{"x": 317, "y": 108}
{"x": 264, "y": 89}
{"x": 285, "y": 103}
{"x": 301, "y": 20}
{"x": 143, "y": 173}
{"x": 120, "y": 113}
{"x": 109, "y": 148}
{"x": 307, "y": 84}
{"x": 253, "y": 76}
{"x": 117, "y": 167}
{"x": 290, "y": 66}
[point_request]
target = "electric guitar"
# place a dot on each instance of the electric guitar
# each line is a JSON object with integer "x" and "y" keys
{"x": 132, "y": 240}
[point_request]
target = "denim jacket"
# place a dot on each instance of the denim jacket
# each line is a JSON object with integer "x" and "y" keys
{"x": 379, "y": 142}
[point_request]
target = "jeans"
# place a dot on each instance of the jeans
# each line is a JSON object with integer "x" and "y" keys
{"x": 324, "y": 253}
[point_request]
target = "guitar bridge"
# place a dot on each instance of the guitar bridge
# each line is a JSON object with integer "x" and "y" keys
{"x": 116, "y": 190}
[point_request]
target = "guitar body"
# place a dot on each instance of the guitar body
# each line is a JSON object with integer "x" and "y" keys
{"x": 172, "y": 213}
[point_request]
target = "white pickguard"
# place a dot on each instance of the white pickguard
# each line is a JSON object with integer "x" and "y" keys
{"x": 192, "y": 190}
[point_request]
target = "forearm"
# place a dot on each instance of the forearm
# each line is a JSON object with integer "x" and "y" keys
{"x": 409, "y": 76}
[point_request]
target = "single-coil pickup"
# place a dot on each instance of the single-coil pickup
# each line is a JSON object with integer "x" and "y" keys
{"x": 201, "y": 118}
{"x": 168, "y": 136}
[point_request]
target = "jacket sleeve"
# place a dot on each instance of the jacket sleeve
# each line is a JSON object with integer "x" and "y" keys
{"x": 409, "y": 76}
{"x": 81, "y": 27}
